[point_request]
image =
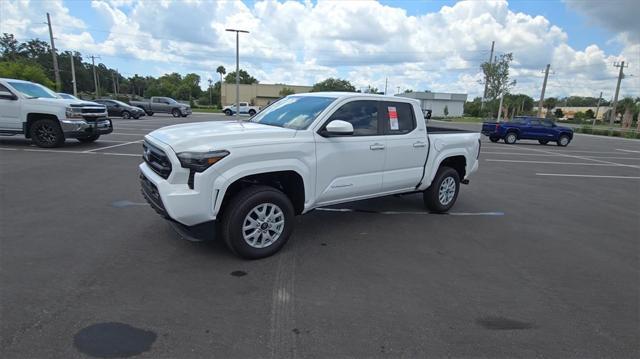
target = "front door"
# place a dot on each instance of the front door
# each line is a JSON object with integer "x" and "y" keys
{"x": 9, "y": 113}
{"x": 350, "y": 167}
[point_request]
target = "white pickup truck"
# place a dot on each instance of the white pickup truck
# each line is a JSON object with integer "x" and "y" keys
{"x": 250, "y": 178}
{"x": 245, "y": 108}
{"x": 32, "y": 110}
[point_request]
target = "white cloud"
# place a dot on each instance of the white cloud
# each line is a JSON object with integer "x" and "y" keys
{"x": 363, "y": 41}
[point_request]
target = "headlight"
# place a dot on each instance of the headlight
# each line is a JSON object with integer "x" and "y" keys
{"x": 73, "y": 112}
{"x": 200, "y": 161}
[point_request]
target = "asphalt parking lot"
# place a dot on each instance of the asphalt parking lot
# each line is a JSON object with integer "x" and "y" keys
{"x": 539, "y": 258}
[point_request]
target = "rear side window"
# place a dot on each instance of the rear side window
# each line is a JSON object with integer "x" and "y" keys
{"x": 398, "y": 118}
{"x": 535, "y": 122}
{"x": 362, "y": 115}
{"x": 519, "y": 121}
{"x": 547, "y": 123}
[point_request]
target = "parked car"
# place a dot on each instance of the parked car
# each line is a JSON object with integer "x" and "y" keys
{"x": 427, "y": 113}
{"x": 32, "y": 110}
{"x": 305, "y": 151}
{"x": 67, "y": 96}
{"x": 245, "y": 108}
{"x": 121, "y": 109}
{"x": 528, "y": 128}
{"x": 163, "y": 105}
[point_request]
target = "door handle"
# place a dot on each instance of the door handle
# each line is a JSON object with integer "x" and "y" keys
{"x": 419, "y": 144}
{"x": 376, "y": 147}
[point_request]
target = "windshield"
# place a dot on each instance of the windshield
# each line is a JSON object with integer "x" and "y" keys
{"x": 67, "y": 96}
{"x": 33, "y": 90}
{"x": 120, "y": 103}
{"x": 295, "y": 112}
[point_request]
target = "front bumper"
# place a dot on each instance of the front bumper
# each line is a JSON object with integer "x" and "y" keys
{"x": 186, "y": 111}
{"x": 73, "y": 128}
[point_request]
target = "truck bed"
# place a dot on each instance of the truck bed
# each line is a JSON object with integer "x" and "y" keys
{"x": 444, "y": 130}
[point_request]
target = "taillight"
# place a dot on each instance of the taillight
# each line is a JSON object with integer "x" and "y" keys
{"x": 497, "y": 126}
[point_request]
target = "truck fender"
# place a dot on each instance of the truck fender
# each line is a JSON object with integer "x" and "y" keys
{"x": 225, "y": 179}
{"x": 435, "y": 164}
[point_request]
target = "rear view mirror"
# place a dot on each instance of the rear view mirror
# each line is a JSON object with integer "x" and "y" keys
{"x": 6, "y": 95}
{"x": 339, "y": 128}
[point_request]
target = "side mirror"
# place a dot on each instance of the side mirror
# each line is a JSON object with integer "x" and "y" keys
{"x": 338, "y": 128}
{"x": 6, "y": 95}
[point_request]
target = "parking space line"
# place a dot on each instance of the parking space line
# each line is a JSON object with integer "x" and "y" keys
{"x": 73, "y": 152}
{"x": 128, "y": 134}
{"x": 554, "y": 163}
{"x": 551, "y": 155}
{"x": 572, "y": 151}
{"x": 581, "y": 175}
{"x": 118, "y": 145}
{"x": 583, "y": 158}
{"x": 8, "y": 149}
{"x": 623, "y": 150}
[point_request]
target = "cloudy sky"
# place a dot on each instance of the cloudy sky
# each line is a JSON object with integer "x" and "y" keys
{"x": 435, "y": 45}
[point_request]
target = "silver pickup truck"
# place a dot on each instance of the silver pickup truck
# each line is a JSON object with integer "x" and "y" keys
{"x": 163, "y": 105}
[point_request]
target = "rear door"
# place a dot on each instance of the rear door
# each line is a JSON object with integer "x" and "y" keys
{"x": 406, "y": 147}
{"x": 351, "y": 166}
{"x": 536, "y": 130}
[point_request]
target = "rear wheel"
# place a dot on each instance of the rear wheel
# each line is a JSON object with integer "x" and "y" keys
{"x": 494, "y": 139}
{"x": 227, "y": 112}
{"x": 46, "y": 133}
{"x": 510, "y": 138}
{"x": 543, "y": 142}
{"x": 150, "y": 113}
{"x": 563, "y": 141}
{"x": 443, "y": 192}
{"x": 252, "y": 112}
{"x": 88, "y": 139}
{"x": 257, "y": 222}
{"x": 175, "y": 112}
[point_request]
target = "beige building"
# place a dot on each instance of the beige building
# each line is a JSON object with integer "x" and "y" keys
{"x": 257, "y": 94}
{"x": 569, "y": 112}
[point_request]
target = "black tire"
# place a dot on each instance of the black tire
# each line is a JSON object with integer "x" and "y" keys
{"x": 125, "y": 115}
{"x": 46, "y": 133}
{"x": 494, "y": 139}
{"x": 431, "y": 195}
{"x": 510, "y": 138}
{"x": 89, "y": 139}
{"x": 227, "y": 112}
{"x": 135, "y": 117}
{"x": 149, "y": 113}
{"x": 175, "y": 112}
{"x": 185, "y": 115}
{"x": 543, "y": 142}
{"x": 252, "y": 112}
{"x": 240, "y": 206}
{"x": 563, "y": 140}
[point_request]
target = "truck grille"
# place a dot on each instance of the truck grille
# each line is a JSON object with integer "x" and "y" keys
{"x": 156, "y": 159}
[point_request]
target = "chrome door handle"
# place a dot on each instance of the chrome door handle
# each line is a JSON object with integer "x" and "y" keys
{"x": 419, "y": 144}
{"x": 376, "y": 147}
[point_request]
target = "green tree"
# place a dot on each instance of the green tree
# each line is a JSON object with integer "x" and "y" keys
{"x": 332, "y": 84}
{"x": 23, "y": 70}
{"x": 221, "y": 70}
{"x": 245, "y": 78}
{"x": 9, "y": 47}
{"x": 497, "y": 75}
{"x": 550, "y": 104}
{"x": 370, "y": 89}
{"x": 286, "y": 91}
{"x": 408, "y": 91}
{"x": 589, "y": 114}
{"x": 579, "y": 115}
{"x": 558, "y": 113}
{"x": 446, "y": 111}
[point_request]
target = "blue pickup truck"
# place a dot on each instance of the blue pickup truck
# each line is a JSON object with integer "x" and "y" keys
{"x": 527, "y": 128}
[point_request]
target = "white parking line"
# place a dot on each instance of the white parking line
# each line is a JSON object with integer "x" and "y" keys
{"x": 551, "y": 155}
{"x": 620, "y": 149}
{"x": 587, "y": 176}
{"x": 554, "y": 163}
{"x": 583, "y": 158}
{"x": 74, "y": 152}
{"x": 128, "y": 134}
{"x": 118, "y": 145}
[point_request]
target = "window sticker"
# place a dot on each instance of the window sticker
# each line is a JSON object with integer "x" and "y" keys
{"x": 393, "y": 118}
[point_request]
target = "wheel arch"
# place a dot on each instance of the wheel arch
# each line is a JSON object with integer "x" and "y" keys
{"x": 35, "y": 116}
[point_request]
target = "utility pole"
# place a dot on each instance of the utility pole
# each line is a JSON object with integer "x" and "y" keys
{"x": 386, "y": 79}
{"x": 73, "y": 76}
{"x": 95, "y": 77}
{"x": 398, "y": 89}
{"x": 237, "y": 69}
{"x": 613, "y": 114}
{"x": 210, "y": 96}
{"x": 597, "y": 110}
{"x": 113, "y": 80}
{"x": 544, "y": 87}
{"x": 54, "y": 55}
{"x": 486, "y": 78}
{"x": 500, "y": 108}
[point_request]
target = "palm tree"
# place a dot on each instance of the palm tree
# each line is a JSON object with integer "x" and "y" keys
{"x": 221, "y": 70}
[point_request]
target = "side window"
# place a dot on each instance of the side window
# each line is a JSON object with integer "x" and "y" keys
{"x": 398, "y": 118}
{"x": 519, "y": 121}
{"x": 547, "y": 123}
{"x": 157, "y": 100}
{"x": 534, "y": 122}
{"x": 362, "y": 115}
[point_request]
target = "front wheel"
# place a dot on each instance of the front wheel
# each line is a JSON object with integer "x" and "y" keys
{"x": 443, "y": 192}
{"x": 227, "y": 112}
{"x": 126, "y": 115}
{"x": 88, "y": 139}
{"x": 543, "y": 142}
{"x": 563, "y": 141}
{"x": 494, "y": 139}
{"x": 257, "y": 222}
{"x": 46, "y": 133}
{"x": 175, "y": 112}
{"x": 252, "y": 112}
{"x": 149, "y": 113}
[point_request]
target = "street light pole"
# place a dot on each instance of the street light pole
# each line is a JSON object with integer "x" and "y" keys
{"x": 237, "y": 69}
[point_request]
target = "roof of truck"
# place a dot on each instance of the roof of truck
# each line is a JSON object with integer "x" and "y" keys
{"x": 337, "y": 95}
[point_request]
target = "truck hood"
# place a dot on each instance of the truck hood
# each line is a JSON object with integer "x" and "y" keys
{"x": 219, "y": 135}
{"x": 60, "y": 102}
